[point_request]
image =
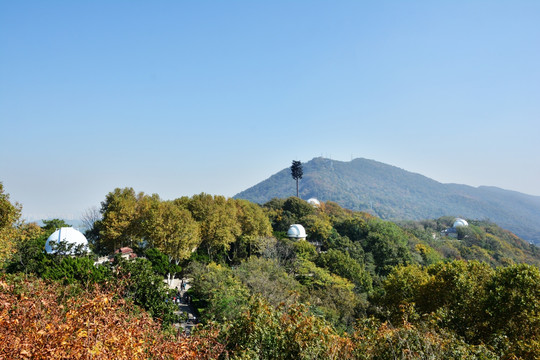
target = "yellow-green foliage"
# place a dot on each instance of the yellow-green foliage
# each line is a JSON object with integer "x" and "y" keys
{"x": 9, "y": 216}
{"x": 178, "y": 227}
{"x": 498, "y": 307}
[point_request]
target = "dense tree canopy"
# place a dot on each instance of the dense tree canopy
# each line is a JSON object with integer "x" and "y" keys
{"x": 120, "y": 225}
{"x": 357, "y": 288}
{"x": 171, "y": 229}
{"x": 499, "y": 307}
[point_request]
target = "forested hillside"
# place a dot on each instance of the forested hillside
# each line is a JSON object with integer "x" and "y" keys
{"x": 392, "y": 193}
{"x": 358, "y": 288}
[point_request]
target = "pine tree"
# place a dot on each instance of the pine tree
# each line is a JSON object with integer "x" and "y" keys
{"x": 296, "y": 172}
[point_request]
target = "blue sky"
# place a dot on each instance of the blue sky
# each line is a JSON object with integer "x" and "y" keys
{"x": 183, "y": 97}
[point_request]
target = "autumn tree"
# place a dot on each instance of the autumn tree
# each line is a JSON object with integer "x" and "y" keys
{"x": 217, "y": 217}
{"x": 171, "y": 229}
{"x": 455, "y": 289}
{"x": 318, "y": 227}
{"x": 252, "y": 219}
{"x": 499, "y": 308}
{"x": 288, "y": 332}
{"x": 255, "y": 227}
{"x": 513, "y": 308}
{"x": 403, "y": 289}
{"x": 9, "y": 217}
{"x": 410, "y": 341}
{"x": 43, "y": 320}
{"x": 336, "y": 212}
{"x": 119, "y": 226}
{"x": 297, "y": 172}
{"x": 9, "y": 213}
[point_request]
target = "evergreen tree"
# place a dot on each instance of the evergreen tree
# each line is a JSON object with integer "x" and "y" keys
{"x": 296, "y": 172}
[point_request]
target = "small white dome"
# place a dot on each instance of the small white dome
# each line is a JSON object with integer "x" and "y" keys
{"x": 314, "y": 202}
{"x": 68, "y": 234}
{"x": 460, "y": 223}
{"x": 296, "y": 231}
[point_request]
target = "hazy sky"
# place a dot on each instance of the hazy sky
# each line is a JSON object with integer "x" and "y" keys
{"x": 182, "y": 97}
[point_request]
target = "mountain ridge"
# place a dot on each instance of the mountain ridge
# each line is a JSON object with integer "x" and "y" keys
{"x": 393, "y": 193}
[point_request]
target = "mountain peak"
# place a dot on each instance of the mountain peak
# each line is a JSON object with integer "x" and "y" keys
{"x": 393, "y": 193}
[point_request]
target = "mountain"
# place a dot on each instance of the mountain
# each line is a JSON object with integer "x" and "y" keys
{"x": 396, "y": 194}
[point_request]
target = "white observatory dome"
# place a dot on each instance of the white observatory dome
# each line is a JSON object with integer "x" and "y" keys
{"x": 68, "y": 234}
{"x": 314, "y": 202}
{"x": 460, "y": 223}
{"x": 296, "y": 231}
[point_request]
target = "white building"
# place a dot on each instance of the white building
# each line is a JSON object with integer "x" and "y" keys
{"x": 460, "y": 223}
{"x": 297, "y": 231}
{"x": 314, "y": 202}
{"x": 69, "y": 236}
{"x": 452, "y": 232}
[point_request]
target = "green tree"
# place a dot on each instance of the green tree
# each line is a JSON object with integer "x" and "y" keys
{"x": 267, "y": 278}
{"x": 388, "y": 244}
{"x": 29, "y": 256}
{"x": 145, "y": 288}
{"x": 161, "y": 263}
{"x": 172, "y": 230}
{"x": 305, "y": 250}
{"x": 332, "y": 295}
{"x": 290, "y": 211}
{"x": 513, "y": 309}
{"x": 255, "y": 228}
{"x": 403, "y": 288}
{"x": 344, "y": 244}
{"x": 297, "y": 172}
{"x": 340, "y": 263}
{"x": 217, "y": 217}
{"x": 288, "y": 332}
{"x": 298, "y": 208}
{"x": 459, "y": 287}
{"x": 355, "y": 228}
{"x": 70, "y": 269}
{"x": 318, "y": 227}
{"x": 455, "y": 291}
{"x": 52, "y": 225}
{"x": 217, "y": 293}
{"x": 120, "y": 219}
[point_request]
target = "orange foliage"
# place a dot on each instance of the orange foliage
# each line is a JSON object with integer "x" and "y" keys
{"x": 38, "y": 321}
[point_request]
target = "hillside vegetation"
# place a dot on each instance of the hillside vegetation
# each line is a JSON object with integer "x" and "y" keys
{"x": 392, "y": 193}
{"x": 358, "y": 288}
